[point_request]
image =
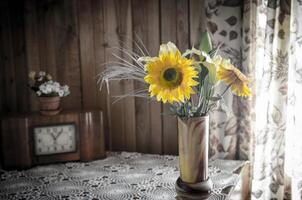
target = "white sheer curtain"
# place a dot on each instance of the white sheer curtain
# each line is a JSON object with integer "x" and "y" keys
{"x": 278, "y": 99}
{"x": 293, "y": 143}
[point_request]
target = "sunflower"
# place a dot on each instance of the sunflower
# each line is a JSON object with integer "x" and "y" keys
{"x": 233, "y": 77}
{"x": 171, "y": 76}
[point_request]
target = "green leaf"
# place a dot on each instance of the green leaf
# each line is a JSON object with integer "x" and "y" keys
{"x": 205, "y": 42}
{"x": 202, "y": 75}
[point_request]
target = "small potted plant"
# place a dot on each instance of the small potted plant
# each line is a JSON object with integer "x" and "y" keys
{"x": 49, "y": 92}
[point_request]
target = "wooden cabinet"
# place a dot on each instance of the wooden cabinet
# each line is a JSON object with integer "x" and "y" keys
{"x": 18, "y": 139}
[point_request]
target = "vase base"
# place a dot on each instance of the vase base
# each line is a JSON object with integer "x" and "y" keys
{"x": 199, "y": 190}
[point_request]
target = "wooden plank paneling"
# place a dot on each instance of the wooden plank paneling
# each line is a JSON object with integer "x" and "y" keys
{"x": 19, "y": 57}
{"x": 2, "y": 61}
{"x": 182, "y": 21}
{"x": 169, "y": 33}
{"x": 197, "y": 20}
{"x": 10, "y": 96}
{"x": 46, "y": 36}
{"x": 117, "y": 134}
{"x": 92, "y": 137}
{"x": 92, "y": 54}
{"x": 17, "y": 129}
{"x": 124, "y": 30}
{"x": 73, "y": 39}
{"x": 117, "y": 20}
{"x": 99, "y": 50}
{"x": 2, "y": 83}
{"x": 32, "y": 44}
{"x": 87, "y": 56}
{"x": 146, "y": 25}
{"x": 67, "y": 50}
{"x": 174, "y": 28}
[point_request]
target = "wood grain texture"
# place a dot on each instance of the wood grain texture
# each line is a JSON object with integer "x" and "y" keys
{"x": 174, "y": 27}
{"x": 19, "y": 57}
{"x": 67, "y": 51}
{"x": 46, "y": 36}
{"x": 87, "y": 55}
{"x": 92, "y": 53}
{"x": 15, "y": 143}
{"x": 169, "y": 33}
{"x": 117, "y": 20}
{"x": 10, "y": 96}
{"x": 148, "y": 114}
{"x": 2, "y": 70}
{"x": 99, "y": 50}
{"x": 32, "y": 44}
{"x": 142, "y": 117}
{"x": 73, "y": 39}
{"x": 197, "y": 20}
{"x": 92, "y": 137}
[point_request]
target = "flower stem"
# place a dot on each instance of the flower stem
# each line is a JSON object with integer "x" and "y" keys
{"x": 226, "y": 89}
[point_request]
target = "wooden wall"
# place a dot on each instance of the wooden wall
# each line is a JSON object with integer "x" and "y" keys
{"x": 72, "y": 39}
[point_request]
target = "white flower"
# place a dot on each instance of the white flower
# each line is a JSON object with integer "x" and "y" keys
{"x": 53, "y": 88}
{"x": 61, "y": 93}
{"x": 42, "y": 73}
{"x": 56, "y": 84}
{"x": 32, "y": 75}
{"x": 66, "y": 90}
{"x": 39, "y": 93}
{"x": 48, "y": 76}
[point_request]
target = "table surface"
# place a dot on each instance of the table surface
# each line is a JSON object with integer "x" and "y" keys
{"x": 119, "y": 176}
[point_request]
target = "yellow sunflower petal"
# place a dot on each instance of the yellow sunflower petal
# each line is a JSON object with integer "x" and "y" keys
{"x": 232, "y": 76}
{"x": 171, "y": 76}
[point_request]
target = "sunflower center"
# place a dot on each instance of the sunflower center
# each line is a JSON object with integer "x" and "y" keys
{"x": 170, "y": 74}
{"x": 172, "y": 77}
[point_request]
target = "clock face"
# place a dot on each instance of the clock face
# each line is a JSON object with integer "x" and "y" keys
{"x": 55, "y": 139}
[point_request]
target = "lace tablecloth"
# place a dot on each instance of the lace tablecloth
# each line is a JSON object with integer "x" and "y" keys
{"x": 119, "y": 176}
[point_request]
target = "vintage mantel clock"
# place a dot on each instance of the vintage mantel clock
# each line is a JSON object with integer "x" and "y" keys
{"x": 55, "y": 139}
{"x": 33, "y": 139}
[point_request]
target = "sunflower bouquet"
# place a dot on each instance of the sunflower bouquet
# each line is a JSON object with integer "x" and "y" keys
{"x": 188, "y": 81}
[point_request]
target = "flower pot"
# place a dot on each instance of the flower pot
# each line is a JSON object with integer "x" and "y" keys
{"x": 49, "y": 105}
{"x": 193, "y": 137}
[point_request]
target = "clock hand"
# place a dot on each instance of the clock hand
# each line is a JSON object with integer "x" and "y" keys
{"x": 56, "y": 136}
{"x": 59, "y": 133}
{"x": 53, "y": 136}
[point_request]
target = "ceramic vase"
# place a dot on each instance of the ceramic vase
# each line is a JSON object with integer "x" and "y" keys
{"x": 193, "y": 141}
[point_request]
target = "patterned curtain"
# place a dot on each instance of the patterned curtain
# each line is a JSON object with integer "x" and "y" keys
{"x": 229, "y": 131}
{"x": 264, "y": 39}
